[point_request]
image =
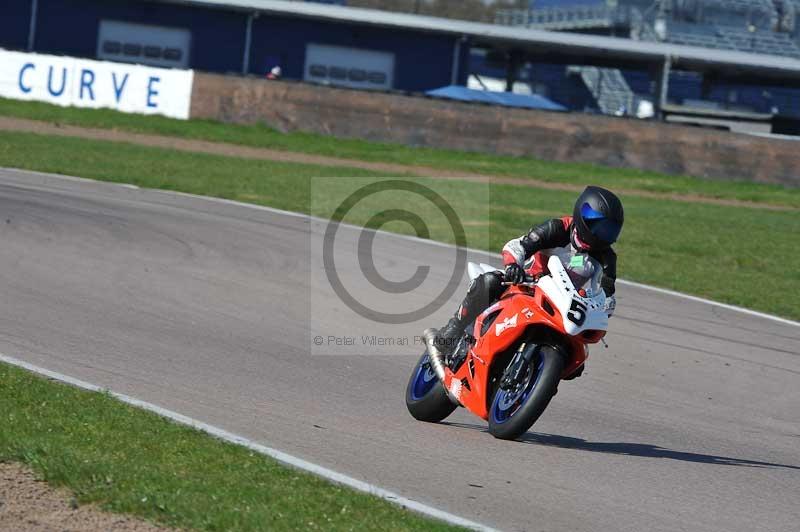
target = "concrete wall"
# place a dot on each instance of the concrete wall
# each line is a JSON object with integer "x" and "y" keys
{"x": 571, "y": 137}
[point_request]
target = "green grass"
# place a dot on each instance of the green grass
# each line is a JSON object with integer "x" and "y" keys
{"x": 711, "y": 251}
{"x": 131, "y": 461}
{"x": 496, "y": 165}
{"x": 184, "y": 478}
{"x": 738, "y": 256}
{"x": 255, "y": 181}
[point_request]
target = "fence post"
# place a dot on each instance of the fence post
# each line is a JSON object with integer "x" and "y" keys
{"x": 248, "y": 40}
{"x": 32, "y": 27}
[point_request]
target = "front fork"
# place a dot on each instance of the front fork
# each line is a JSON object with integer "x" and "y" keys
{"x": 515, "y": 372}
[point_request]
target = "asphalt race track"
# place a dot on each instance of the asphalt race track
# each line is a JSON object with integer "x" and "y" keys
{"x": 690, "y": 420}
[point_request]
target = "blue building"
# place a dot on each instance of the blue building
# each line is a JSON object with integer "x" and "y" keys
{"x": 591, "y": 63}
{"x": 229, "y": 37}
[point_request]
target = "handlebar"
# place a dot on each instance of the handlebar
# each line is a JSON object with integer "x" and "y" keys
{"x": 528, "y": 281}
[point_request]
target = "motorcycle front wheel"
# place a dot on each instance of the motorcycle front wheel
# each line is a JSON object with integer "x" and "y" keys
{"x": 515, "y": 409}
{"x": 426, "y": 398}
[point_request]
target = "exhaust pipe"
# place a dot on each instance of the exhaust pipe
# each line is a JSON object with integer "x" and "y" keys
{"x": 437, "y": 362}
{"x": 433, "y": 352}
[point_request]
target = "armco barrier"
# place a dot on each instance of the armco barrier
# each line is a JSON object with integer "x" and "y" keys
{"x": 85, "y": 83}
{"x": 573, "y": 137}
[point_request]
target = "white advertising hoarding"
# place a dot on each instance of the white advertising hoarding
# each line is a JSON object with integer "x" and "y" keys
{"x": 85, "y": 83}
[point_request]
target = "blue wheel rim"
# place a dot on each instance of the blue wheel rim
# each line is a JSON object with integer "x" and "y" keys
{"x": 505, "y": 403}
{"x": 424, "y": 380}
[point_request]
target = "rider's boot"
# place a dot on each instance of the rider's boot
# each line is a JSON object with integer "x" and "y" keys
{"x": 446, "y": 339}
{"x": 442, "y": 342}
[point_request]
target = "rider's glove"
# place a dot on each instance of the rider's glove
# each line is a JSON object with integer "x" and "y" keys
{"x": 611, "y": 305}
{"x": 515, "y": 274}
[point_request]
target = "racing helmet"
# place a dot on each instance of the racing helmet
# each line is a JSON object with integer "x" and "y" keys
{"x": 597, "y": 218}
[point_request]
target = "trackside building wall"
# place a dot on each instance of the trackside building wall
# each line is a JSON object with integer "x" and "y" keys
{"x": 15, "y": 18}
{"x": 423, "y": 61}
{"x": 571, "y": 137}
{"x": 70, "y": 27}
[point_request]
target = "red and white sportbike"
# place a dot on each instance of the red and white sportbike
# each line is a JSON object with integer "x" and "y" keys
{"x": 508, "y": 368}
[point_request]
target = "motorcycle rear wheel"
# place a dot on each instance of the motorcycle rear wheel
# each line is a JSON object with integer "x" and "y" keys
{"x": 426, "y": 398}
{"x": 513, "y": 412}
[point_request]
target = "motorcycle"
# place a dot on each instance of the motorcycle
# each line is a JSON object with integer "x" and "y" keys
{"x": 508, "y": 368}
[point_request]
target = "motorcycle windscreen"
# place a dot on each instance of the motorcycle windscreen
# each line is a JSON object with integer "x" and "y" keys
{"x": 580, "y": 267}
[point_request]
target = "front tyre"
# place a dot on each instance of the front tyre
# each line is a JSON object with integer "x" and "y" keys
{"x": 516, "y": 408}
{"x": 426, "y": 398}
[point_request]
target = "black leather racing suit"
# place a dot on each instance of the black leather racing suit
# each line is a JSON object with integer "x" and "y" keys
{"x": 487, "y": 288}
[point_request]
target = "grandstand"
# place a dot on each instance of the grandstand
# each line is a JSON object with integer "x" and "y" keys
{"x": 760, "y": 26}
{"x": 751, "y": 26}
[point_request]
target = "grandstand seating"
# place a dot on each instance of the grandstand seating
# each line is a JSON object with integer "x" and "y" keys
{"x": 744, "y": 25}
{"x": 608, "y": 87}
{"x": 760, "y": 13}
{"x": 550, "y": 80}
{"x": 546, "y": 4}
{"x": 575, "y": 18}
{"x": 694, "y": 35}
{"x": 732, "y": 38}
{"x": 567, "y": 90}
{"x": 761, "y": 42}
{"x": 755, "y": 26}
{"x": 720, "y": 24}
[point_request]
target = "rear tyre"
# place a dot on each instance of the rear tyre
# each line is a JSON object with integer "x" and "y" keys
{"x": 514, "y": 411}
{"x": 426, "y": 398}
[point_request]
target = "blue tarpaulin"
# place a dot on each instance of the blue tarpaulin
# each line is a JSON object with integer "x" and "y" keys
{"x": 509, "y": 99}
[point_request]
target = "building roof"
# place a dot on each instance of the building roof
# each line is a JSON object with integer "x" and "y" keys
{"x": 591, "y": 47}
{"x": 507, "y": 99}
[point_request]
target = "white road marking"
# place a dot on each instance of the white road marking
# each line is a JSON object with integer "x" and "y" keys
{"x": 280, "y": 456}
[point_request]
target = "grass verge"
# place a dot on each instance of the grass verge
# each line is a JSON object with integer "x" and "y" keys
{"x": 169, "y": 473}
{"x": 494, "y": 165}
{"x": 707, "y": 250}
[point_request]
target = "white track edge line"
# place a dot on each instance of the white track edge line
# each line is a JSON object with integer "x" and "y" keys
{"x": 280, "y": 456}
{"x": 664, "y": 291}
{"x": 711, "y": 302}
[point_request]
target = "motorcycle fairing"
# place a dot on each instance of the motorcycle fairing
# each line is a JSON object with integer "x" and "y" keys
{"x": 519, "y": 309}
{"x": 579, "y": 313}
{"x": 553, "y": 304}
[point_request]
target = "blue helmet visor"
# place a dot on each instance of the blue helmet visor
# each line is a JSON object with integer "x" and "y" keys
{"x": 600, "y": 226}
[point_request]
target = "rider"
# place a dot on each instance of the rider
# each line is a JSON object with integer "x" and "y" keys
{"x": 595, "y": 224}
